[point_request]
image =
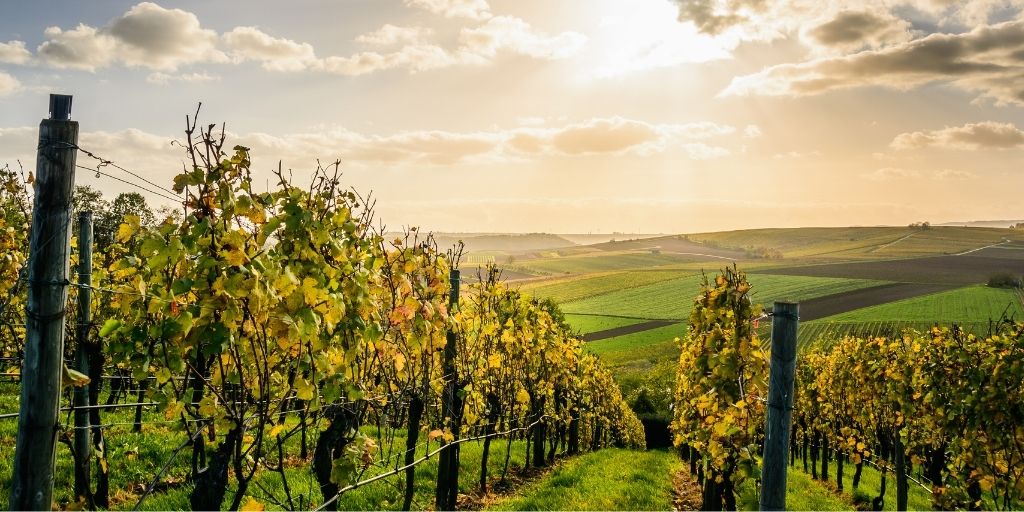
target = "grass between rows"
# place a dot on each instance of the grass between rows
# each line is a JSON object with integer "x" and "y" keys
{"x": 610, "y": 479}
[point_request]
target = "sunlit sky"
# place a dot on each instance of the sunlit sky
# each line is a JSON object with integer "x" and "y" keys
{"x": 554, "y": 115}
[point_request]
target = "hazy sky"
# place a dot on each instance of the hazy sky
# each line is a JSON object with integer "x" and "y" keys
{"x": 555, "y": 115}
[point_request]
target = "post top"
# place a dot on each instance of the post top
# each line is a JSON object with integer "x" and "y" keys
{"x": 60, "y": 107}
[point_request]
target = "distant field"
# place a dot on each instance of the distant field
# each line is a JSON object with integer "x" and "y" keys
{"x": 861, "y": 242}
{"x": 971, "y": 308}
{"x": 974, "y": 268}
{"x": 591, "y": 323}
{"x": 647, "y": 352}
{"x": 971, "y": 304}
{"x": 673, "y": 299}
{"x": 599, "y": 262}
{"x": 576, "y": 288}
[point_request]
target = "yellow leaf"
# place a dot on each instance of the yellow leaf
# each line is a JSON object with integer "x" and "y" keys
{"x": 399, "y": 362}
{"x": 73, "y": 378}
{"x": 494, "y": 361}
{"x": 276, "y": 430}
{"x": 251, "y": 505}
{"x": 986, "y": 483}
{"x": 523, "y": 396}
{"x": 434, "y": 434}
{"x": 303, "y": 389}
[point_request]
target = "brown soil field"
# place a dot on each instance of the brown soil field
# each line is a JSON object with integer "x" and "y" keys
{"x": 627, "y": 329}
{"x": 829, "y": 305}
{"x": 974, "y": 268}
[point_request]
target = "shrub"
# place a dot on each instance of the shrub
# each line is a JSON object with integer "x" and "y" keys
{"x": 1004, "y": 280}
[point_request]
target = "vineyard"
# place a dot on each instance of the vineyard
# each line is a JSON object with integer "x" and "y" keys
{"x": 270, "y": 349}
{"x": 274, "y": 350}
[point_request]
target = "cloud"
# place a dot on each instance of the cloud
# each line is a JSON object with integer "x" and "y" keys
{"x": 898, "y": 173}
{"x": 752, "y": 131}
{"x": 714, "y": 17}
{"x": 986, "y": 60}
{"x": 389, "y": 35}
{"x": 602, "y": 136}
{"x": 852, "y": 30}
{"x": 472, "y": 9}
{"x": 515, "y": 35}
{"x": 163, "y": 40}
{"x": 8, "y": 84}
{"x": 146, "y": 36}
{"x": 164, "y": 78}
{"x": 617, "y": 135}
{"x": 275, "y": 53}
{"x": 971, "y": 136}
{"x": 892, "y": 173}
{"x": 953, "y": 174}
{"x": 14, "y": 52}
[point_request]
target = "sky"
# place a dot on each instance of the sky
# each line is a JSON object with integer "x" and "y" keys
{"x": 566, "y": 116}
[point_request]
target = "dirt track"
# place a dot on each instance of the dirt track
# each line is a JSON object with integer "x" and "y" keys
{"x": 829, "y": 305}
{"x": 627, "y": 329}
{"x": 974, "y": 268}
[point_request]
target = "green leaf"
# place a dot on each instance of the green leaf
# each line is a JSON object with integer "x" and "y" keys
{"x": 109, "y": 327}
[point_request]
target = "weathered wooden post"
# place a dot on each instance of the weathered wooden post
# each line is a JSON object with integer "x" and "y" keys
{"x": 448, "y": 461}
{"x": 83, "y": 447}
{"x": 785, "y": 317}
{"x": 48, "y": 266}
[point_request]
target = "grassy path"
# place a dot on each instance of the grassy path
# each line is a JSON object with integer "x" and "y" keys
{"x": 610, "y": 479}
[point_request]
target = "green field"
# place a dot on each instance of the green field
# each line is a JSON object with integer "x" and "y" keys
{"x": 581, "y": 287}
{"x": 672, "y": 299}
{"x": 600, "y": 262}
{"x": 971, "y": 308}
{"x": 963, "y": 305}
{"x": 610, "y": 479}
{"x": 859, "y": 242}
{"x": 593, "y": 323}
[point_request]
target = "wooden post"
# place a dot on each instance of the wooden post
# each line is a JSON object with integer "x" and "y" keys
{"x": 83, "y": 448}
{"x": 448, "y": 460}
{"x": 785, "y": 317}
{"x": 48, "y": 266}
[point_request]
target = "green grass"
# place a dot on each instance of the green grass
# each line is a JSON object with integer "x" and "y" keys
{"x": 134, "y": 459}
{"x": 963, "y": 305}
{"x": 918, "y": 498}
{"x": 647, "y": 353}
{"x": 971, "y": 308}
{"x": 593, "y": 323}
{"x": 802, "y": 493}
{"x": 581, "y": 287}
{"x": 610, "y": 479}
{"x": 673, "y": 298}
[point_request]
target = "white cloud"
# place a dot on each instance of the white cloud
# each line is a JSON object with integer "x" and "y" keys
{"x": 752, "y": 131}
{"x": 985, "y": 60}
{"x": 164, "y": 78}
{"x": 517, "y": 36}
{"x": 892, "y": 173}
{"x": 14, "y": 52}
{"x": 472, "y": 9}
{"x": 275, "y": 53}
{"x": 389, "y": 35}
{"x": 899, "y": 173}
{"x": 146, "y": 36}
{"x": 8, "y": 84}
{"x": 971, "y": 136}
{"x": 953, "y": 174}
